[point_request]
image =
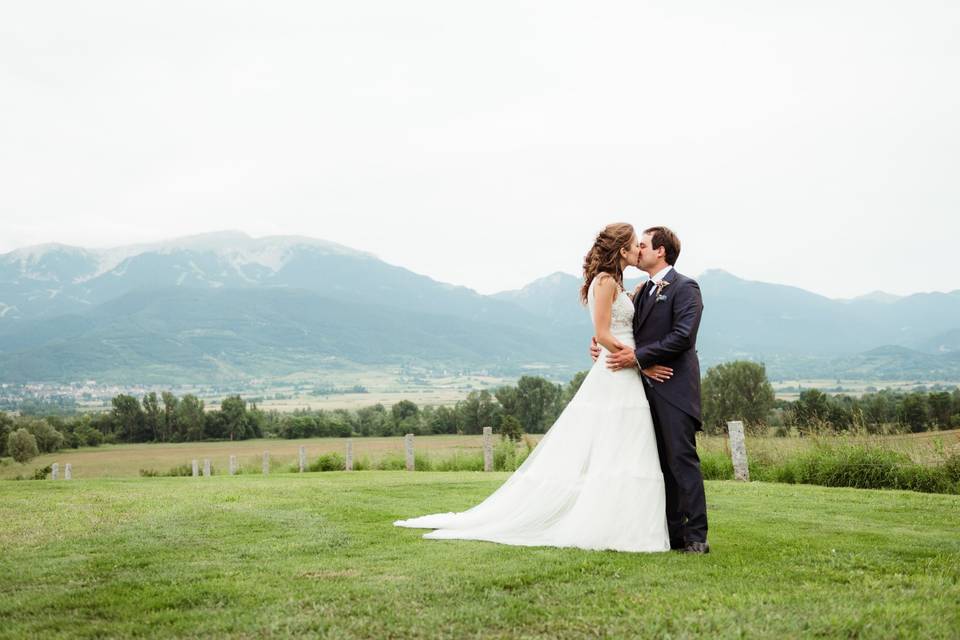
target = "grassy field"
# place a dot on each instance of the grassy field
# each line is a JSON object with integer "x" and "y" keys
{"x": 317, "y": 555}
{"x": 126, "y": 460}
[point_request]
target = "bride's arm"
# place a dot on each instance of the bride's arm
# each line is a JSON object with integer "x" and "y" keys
{"x": 605, "y": 292}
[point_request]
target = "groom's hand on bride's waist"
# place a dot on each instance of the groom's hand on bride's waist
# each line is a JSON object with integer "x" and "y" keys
{"x": 621, "y": 359}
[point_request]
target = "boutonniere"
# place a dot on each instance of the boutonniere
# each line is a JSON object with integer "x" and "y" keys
{"x": 660, "y": 285}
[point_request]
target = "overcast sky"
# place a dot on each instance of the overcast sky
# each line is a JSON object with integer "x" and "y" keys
{"x": 809, "y": 143}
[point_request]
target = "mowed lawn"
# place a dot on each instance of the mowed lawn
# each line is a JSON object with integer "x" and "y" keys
{"x": 316, "y": 555}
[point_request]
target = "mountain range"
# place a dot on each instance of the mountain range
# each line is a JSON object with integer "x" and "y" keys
{"x": 228, "y": 307}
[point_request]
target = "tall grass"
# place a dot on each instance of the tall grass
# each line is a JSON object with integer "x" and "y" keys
{"x": 864, "y": 466}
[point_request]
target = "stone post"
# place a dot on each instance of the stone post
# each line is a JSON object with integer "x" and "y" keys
{"x": 266, "y": 462}
{"x": 738, "y": 451}
{"x": 348, "y": 462}
{"x": 54, "y": 471}
{"x": 68, "y": 472}
{"x": 488, "y": 448}
{"x": 408, "y": 441}
{"x": 206, "y": 467}
{"x": 233, "y": 465}
{"x": 196, "y": 469}
{"x": 303, "y": 459}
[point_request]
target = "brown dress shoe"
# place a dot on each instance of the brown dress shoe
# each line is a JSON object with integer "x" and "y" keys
{"x": 696, "y": 547}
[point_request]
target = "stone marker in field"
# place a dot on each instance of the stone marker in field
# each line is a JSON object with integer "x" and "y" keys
{"x": 54, "y": 471}
{"x": 68, "y": 472}
{"x": 266, "y": 462}
{"x": 408, "y": 441}
{"x": 195, "y": 469}
{"x": 348, "y": 462}
{"x": 738, "y": 451}
{"x": 303, "y": 459}
{"x": 206, "y": 467}
{"x": 233, "y": 465}
{"x": 488, "y": 448}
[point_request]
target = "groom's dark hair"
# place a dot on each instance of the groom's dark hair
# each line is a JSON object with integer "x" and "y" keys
{"x": 663, "y": 237}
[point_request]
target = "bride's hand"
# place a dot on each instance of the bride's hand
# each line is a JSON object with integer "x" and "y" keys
{"x": 658, "y": 372}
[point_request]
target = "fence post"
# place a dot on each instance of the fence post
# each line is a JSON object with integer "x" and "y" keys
{"x": 303, "y": 459}
{"x": 68, "y": 472}
{"x": 348, "y": 463}
{"x": 738, "y": 451}
{"x": 54, "y": 471}
{"x": 206, "y": 467}
{"x": 233, "y": 465}
{"x": 196, "y": 469}
{"x": 488, "y": 448}
{"x": 266, "y": 462}
{"x": 408, "y": 441}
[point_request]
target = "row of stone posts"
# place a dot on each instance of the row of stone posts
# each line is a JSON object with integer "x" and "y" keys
{"x": 348, "y": 461}
{"x": 55, "y": 471}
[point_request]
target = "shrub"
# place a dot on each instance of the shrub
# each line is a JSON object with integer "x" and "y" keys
{"x": 180, "y": 470}
{"x": 149, "y": 473}
{"x": 22, "y": 446}
{"x": 328, "y": 462}
{"x": 505, "y": 456}
{"x": 43, "y": 472}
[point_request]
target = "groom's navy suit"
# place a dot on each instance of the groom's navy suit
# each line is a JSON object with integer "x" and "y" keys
{"x": 665, "y": 329}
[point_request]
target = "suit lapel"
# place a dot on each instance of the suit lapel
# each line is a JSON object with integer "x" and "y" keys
{"x": 650, "y": 302}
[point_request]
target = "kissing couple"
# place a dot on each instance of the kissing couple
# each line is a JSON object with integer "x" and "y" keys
{"x": 619, "y": 468}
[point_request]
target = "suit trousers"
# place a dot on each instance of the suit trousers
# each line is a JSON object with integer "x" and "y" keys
{"x": 677, "y": 443}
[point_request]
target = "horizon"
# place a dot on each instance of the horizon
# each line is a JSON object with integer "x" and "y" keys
{"x": 633, "y": 275}
{"x": 782, "y": 150}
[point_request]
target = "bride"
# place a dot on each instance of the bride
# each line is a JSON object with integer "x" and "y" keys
{"x": 594, "y": 480}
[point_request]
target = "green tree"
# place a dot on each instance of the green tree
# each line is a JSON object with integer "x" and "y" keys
{"x": 151, "y": 417}
{"x": 941, "y": 408}
{"x": 22, "y": 445}
{"x": 510, "y": 428}
{"x": 812, "y": 409}
{"x": 127, "y": 415}
{"x": 403, "y": 410}
{"x": 6, "y": 427}
{"x": 168, "y": 425}
{"x": 47, "y": 438}
{"x": 233, "y": 410}
{"x": 736, "y": 390}
{"x": 190, "y": 418}
{"x": 913, "y": 412}
{"x": 478, "y": 410}
{"x": 539, "y": 402}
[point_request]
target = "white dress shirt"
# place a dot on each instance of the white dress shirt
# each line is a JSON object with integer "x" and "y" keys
{"x": 658, "y": 276}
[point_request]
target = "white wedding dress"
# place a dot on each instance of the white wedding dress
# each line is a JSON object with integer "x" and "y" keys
{"x": 592, "y": 482}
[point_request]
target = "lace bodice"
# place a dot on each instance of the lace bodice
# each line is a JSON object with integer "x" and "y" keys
{"x": 621, "y": 314}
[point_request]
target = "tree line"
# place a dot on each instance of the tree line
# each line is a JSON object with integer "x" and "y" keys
{"x": 741, "y": 391}
{"x": 732, "y": 391}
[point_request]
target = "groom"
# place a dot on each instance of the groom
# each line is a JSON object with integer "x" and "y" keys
{"x": 665, "y": 322}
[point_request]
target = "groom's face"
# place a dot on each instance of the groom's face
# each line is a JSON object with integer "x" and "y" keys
{"x": 648, "y": 256}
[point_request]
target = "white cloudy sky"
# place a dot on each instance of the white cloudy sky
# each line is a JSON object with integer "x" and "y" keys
{"x": 810, "y": 143}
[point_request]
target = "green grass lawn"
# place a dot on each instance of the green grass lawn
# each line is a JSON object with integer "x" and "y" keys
{"x": 316, "y": 555}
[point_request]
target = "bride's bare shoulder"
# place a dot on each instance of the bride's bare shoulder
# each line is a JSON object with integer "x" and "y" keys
{"x": 605, "y": 284}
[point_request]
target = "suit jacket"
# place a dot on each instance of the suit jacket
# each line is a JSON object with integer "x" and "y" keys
{"x": 665, "y": 329}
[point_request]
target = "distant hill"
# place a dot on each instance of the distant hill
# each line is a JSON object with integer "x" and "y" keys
{"x": 226, "y": 306}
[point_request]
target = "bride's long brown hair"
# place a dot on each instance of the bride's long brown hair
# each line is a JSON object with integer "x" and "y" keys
{"x": 604, "y": 255}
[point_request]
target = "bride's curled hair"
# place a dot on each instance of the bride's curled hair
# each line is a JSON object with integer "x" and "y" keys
{"x": 604, "y": 255}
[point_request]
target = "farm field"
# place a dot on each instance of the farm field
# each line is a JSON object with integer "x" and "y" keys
{"x": 316, "y": 554}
